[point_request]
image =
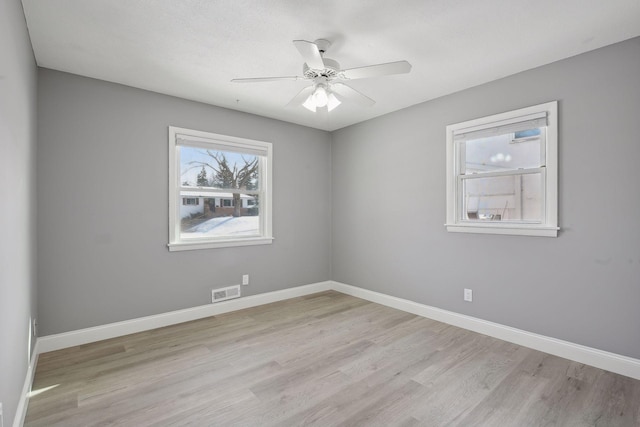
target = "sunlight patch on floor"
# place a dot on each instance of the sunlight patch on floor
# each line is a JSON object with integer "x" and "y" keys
{"x": 42, "y": 390}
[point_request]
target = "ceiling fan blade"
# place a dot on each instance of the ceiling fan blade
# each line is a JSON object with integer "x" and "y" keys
{"x": 399, "y": 67}
{"x": 302, "y": 96}
{"x": 347, "y": 92}
{"x": 310, "y": 53}
{"x": 266, "y": 79}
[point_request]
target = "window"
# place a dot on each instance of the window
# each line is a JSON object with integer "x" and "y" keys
{"x": 190, "y": 201}
{"x": 225, "y": 172}
{"x": 502, "y": 173}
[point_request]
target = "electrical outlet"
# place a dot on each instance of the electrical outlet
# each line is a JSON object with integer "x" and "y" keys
{"x": 245, "y": 279}
{"x": 468, "y": 295}
{"x": 34, "y": 327}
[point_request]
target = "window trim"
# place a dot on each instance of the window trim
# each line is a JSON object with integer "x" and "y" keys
{"x": 549, "y": 226}
{"x": 230, "y": 143}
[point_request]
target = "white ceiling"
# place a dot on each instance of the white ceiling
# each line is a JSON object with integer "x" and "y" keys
{"x": 193, "y": 48}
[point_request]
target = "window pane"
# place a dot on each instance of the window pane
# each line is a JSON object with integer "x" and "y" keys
{"x": 218, "y": 169}
{"x": 504, "y": 198}
{"x": 503, "y": 152}
{"x": 529, "y": 133}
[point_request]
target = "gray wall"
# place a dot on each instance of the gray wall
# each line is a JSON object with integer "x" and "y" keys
{"x": 17, "y": 202}
{"x": 103, "y": 205}
{"x": 584, "y": 286}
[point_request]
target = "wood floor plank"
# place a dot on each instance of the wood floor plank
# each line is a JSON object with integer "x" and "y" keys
{"x": 326, "y": 359}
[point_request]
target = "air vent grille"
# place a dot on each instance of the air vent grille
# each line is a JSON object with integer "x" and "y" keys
{"x": 222, "y": 294}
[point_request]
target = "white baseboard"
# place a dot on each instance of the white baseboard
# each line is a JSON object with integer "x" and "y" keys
{"x": 21, "y": 410}
{"x": 118, "y": 329}
{"x": 619, "y": 364}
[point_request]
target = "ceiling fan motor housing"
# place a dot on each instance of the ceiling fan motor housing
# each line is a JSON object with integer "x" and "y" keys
{"x": 331, "y": 70}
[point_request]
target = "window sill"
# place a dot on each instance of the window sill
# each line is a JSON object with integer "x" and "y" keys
{"x": 509, "y": 229}
{"x": 189, "y": 246}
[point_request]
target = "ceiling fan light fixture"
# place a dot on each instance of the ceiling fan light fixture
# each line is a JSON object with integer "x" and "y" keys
{"x": 320, "y": 96}
{"x": 332, "y": 101}
{"x": 310, "y": 104}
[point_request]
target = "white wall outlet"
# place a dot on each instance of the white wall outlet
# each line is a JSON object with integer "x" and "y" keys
{"x": 245, "y": 279}
{"x": 34, "y": 327}
{"x": 468, "y": 295}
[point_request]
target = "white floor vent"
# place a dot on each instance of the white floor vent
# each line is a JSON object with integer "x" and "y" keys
{"x": 222, "y": 294}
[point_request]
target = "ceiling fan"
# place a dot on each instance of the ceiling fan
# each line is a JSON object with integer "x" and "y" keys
{"x": 327, "y": 89}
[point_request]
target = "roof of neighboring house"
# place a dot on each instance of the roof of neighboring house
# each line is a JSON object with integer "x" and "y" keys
{"x": 212, "y": 195}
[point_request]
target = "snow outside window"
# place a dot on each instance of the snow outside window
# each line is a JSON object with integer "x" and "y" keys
{"x": 502, "y": 173}
{"x": 226, "y": 182}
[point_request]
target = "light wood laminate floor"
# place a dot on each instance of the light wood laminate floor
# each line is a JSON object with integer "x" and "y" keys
{"x": 325, "y": 359}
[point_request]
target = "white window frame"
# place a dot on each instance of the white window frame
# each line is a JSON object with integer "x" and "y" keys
{"x": 549, "y": 169}
{"x": 194, "y": 138}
